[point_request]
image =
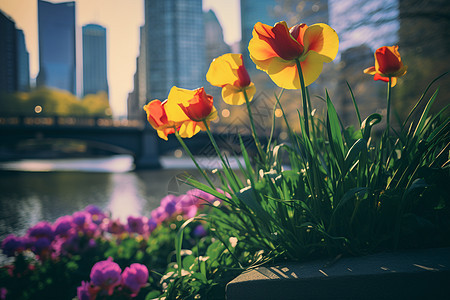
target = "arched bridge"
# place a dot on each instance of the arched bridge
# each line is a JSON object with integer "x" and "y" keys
{"x": 121, "y": 136}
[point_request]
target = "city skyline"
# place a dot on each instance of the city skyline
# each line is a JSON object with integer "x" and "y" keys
{"x": 122, "y": 19}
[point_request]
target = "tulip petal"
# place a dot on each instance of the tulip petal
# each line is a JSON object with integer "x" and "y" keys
{"x": 370, "y": 71}
{"x": 284, "y": 74}
{"x": 311, "y": 67}
{"x": 279, "y": 39}
{"x": 232, "y": 95}
{"x": 189, "y": 129}
{"x": 221, "y": 69}
{"x": 173, "y": 110}
{"x": 322, "y": 39}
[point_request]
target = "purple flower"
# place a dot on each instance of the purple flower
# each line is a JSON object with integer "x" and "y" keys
{"x": 80, "y": 218}
{"x": 3, "y": 292}
{"x": 137, "y": 224}
{"x": 41, "y": 247}
{"x": 152, "y": 224}
{"x": 115, "y": 227}
{"x": 11, "y": 244}
{"x": 62, "y": 225}
{"x": 86, "y": 291}
{"x": 97, "y": 215}
{"x": 135, "y": 277}
{"x": 41, "y": 229}
{"x": 199, "y": 231}
{"x": 106, "y": 275}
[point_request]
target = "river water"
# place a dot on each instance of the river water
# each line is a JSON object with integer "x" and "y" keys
{"x": 35, "y": 190}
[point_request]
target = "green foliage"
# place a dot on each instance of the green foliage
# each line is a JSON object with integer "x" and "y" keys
{"x": 55, "y": 103}
{"x": 343, "y": 191}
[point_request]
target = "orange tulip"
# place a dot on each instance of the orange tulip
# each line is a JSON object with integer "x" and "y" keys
{"x": 388, "y": 64}
{"x": 276, "y": 50}
{"x": 229, "y": 73}
{"x": 190, "y": 108}
{"x": 157, "y": 117}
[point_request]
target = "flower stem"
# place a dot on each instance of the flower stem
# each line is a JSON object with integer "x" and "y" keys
{"x": 193, "y": 159}
{"x": 304, "y": 98}
{"x": 252, "y": 124}
{"x": 388, "y": 105}
{"x": 213, "y": 141}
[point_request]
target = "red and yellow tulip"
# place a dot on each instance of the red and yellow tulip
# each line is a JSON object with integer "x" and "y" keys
{"x": 388, "y": 64}
{"x": 229, "y": 73}
{"x": 190, "y": 108}
{"x": 184, "y": 111}
{"x": 157, "y": 117}
{"x": 276, "y": 50}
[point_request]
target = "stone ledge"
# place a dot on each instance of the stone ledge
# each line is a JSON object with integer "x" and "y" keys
{"x": 418, "y": 274}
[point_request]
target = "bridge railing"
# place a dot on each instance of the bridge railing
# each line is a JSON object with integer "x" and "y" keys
{"x": 54, "y": 121}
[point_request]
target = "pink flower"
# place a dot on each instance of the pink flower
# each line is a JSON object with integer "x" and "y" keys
{"x": 135, "y": 277}
{"x": 106, "y": 275}
{"x": 86, "y": 291}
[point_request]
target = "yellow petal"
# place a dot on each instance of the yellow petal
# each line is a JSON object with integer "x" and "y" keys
{"x": 232, "y": 95}
{"x": 284, "y": 74}
{"x": 250, "y": 90}
{"x": 322, "y": 39}
{"x": 213, "y": 115}
{"x": 162, "y": 134}
{"x": 393, "y": 81}
{"x": 311, "y": 67}
{"x": 173, "y": 109}
{"x": 370, "y": 71}
{"x": 189, "y": 128}
{"x": 221, "y": 70}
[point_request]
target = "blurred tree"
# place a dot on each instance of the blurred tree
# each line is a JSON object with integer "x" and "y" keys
{"x": 53, "y": 102}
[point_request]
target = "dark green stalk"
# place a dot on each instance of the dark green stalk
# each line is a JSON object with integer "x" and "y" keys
{"x": 193, "y": 159}
{"x": 252, "y": 124}
{"x": 304, "y": 98}
{"x": 213, "y": 141}
{"x": 388, "y": 126}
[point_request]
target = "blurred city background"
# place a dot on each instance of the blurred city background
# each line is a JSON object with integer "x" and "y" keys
{"x": 75, "y": 75}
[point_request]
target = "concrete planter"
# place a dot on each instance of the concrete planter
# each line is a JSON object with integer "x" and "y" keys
{"x": 418, "y": 274}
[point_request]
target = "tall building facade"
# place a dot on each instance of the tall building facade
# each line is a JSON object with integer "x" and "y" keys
{"x": 175, "y": 45}
{"x": 57, "y": 46}
{"x": 138, "y": 97}
{"x": 14, "y": 57}
{"x": 94, "y": 59}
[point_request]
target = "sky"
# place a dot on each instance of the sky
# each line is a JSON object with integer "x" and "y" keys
{"x": 122, "y": 19}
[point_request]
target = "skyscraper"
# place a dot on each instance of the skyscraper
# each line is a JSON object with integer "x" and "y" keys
{"x": 23, "y": 63}
{"x": 57, "y": 51}
{"x": 175, "y": 46}
{"x": 14, "y": 57}
{"x": 94, "y": 59}
{"x": 8, "y": 70}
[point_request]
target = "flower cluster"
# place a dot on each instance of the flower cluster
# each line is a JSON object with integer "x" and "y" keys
{"x": 107, "y": 278}
{"x": 185, "y": 206}
{"x": 76, "y": 233}
{"x": 49, "y": 241}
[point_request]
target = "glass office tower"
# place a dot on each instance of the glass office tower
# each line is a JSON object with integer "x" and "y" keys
{"x": 94, "y": 59}
{"x": 175, "y": 45}
{"x": 57, "y": 50}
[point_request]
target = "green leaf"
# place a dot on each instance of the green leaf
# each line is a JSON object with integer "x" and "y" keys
{"x": 247, "y": 196}
{"x": 368, "y": 123}
{"x": 353, "y": 153}
{"x": 334, "y": 132}
{"x": 424, "y": 116}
